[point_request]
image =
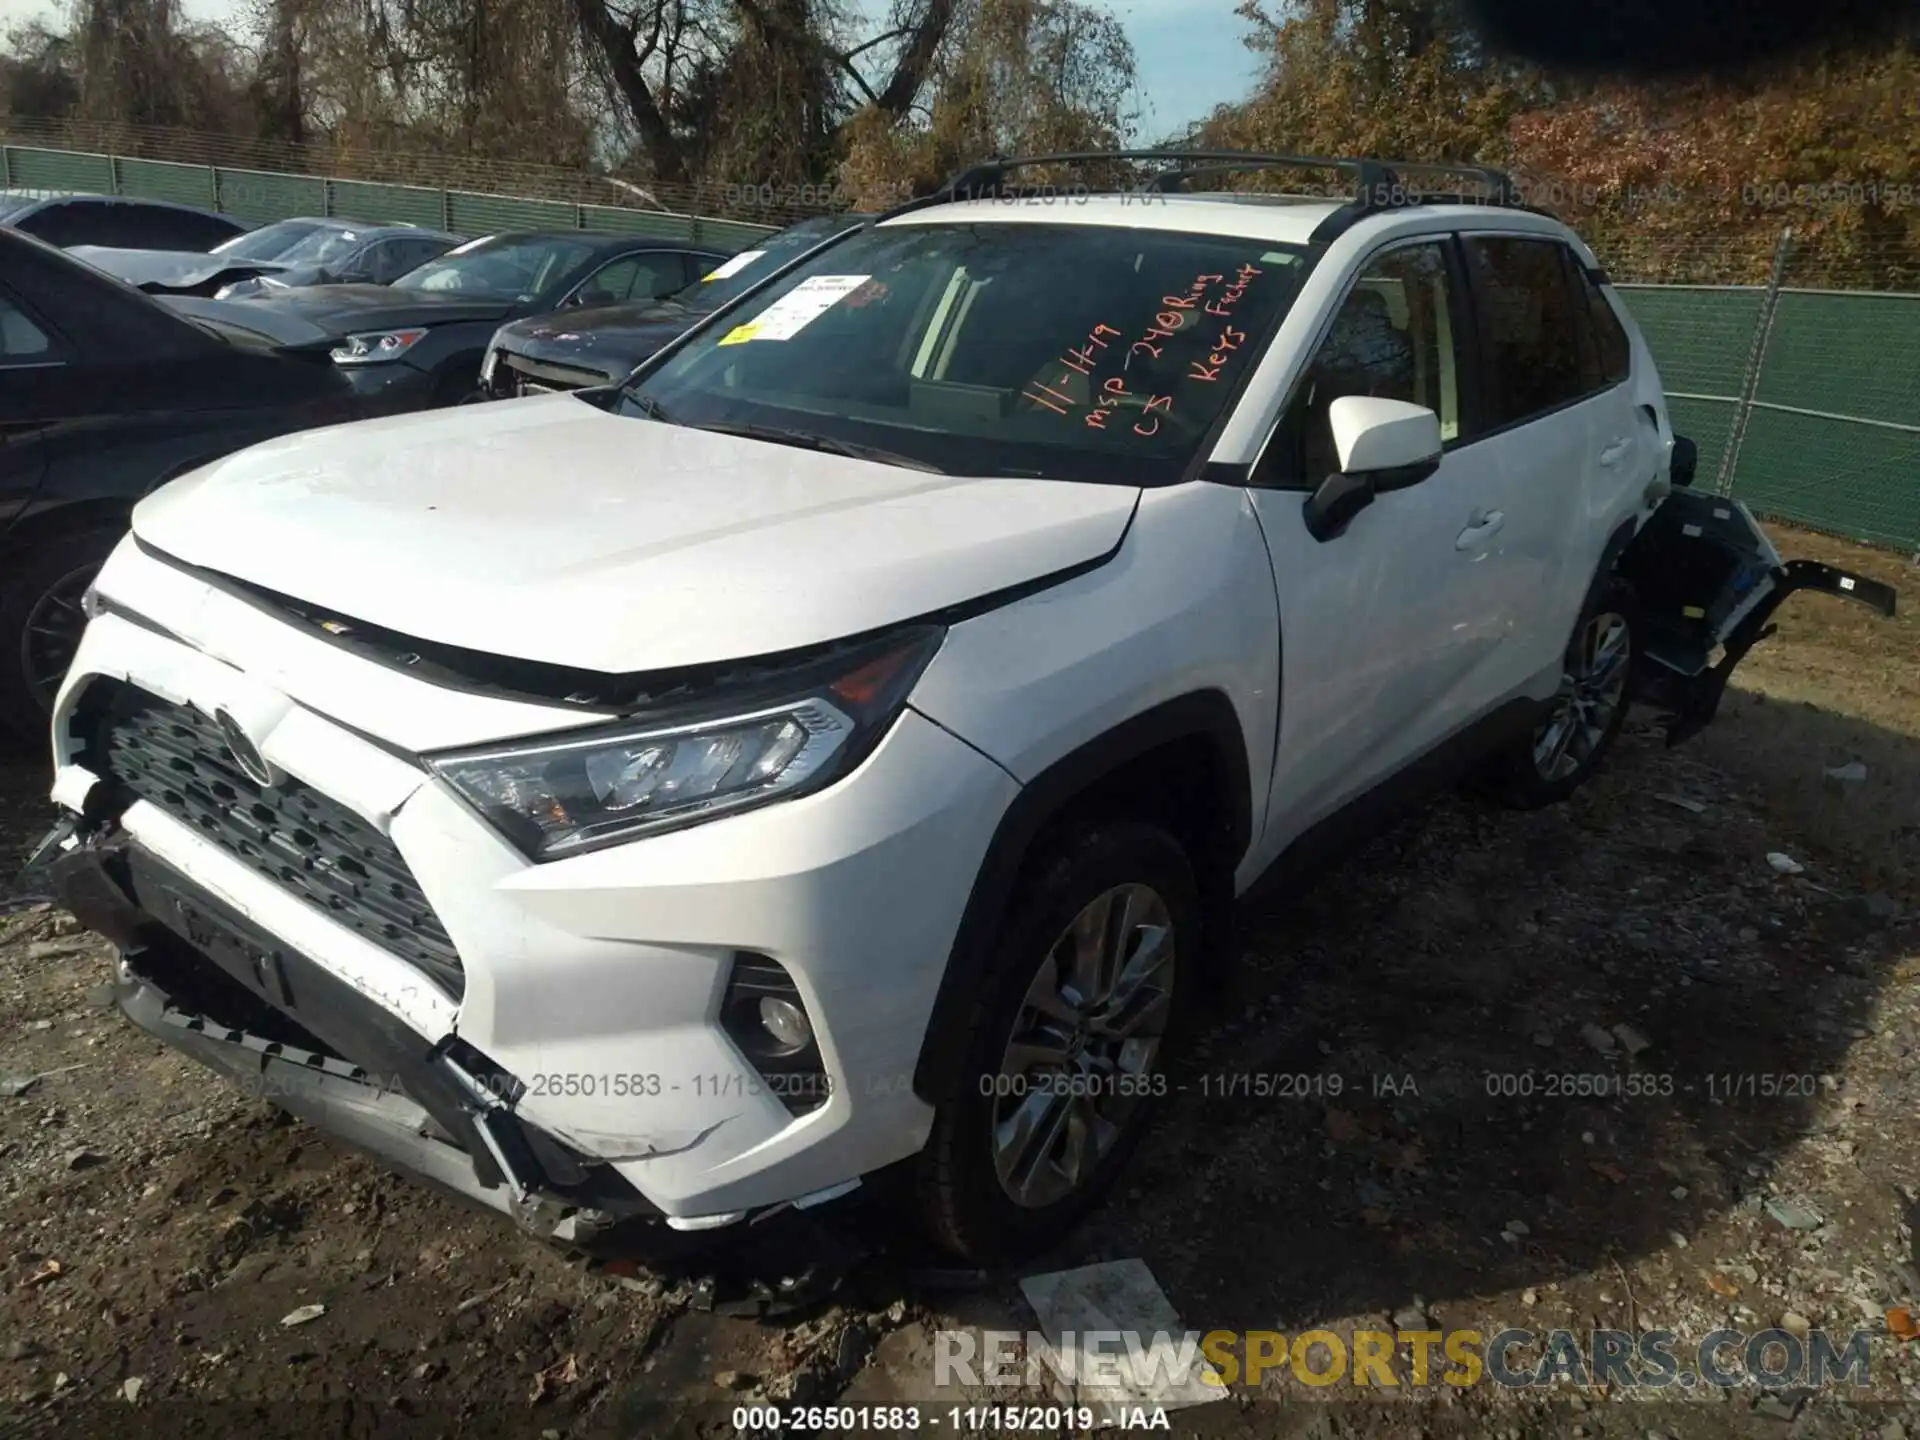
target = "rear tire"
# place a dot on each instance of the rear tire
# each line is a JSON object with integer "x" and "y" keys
{"x": 1567, "y": 747}
{"x": 1071, "y": 1031}
{"x": 41, "y": 621}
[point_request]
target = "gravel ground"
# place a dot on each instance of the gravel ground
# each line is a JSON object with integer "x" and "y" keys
{"x": 161, "y": 1230}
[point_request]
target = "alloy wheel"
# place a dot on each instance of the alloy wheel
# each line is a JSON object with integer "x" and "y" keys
{"x": 51, "y": 635}
{"x": 1592, "y": 690}
{"x": 1085, "y": 1040}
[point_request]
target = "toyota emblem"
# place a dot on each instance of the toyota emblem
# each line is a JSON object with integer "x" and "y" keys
{"x": 245, "y": 753}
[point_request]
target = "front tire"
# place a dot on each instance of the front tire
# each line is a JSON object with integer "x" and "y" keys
{"x": 1092, "y": 977}
{"x": 41, "y": 621}
{"x": 1585, "y": 717}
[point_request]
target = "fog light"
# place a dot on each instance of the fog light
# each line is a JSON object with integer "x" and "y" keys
{"x": 785, "y": 1021}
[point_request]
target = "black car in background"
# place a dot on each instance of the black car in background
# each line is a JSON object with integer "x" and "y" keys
{"x": 575, "y": 349}
{"x": 302, "y": 251}
{"x": 105, "y": 394}
{"x": 418, "y": 342}
{"x": 116, "y": 221}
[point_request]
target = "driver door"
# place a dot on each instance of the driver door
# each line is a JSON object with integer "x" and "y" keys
{"x": 1388, "y": 628}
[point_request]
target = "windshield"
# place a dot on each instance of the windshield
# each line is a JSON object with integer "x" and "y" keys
{"x": 739, "y": 273}
{"x": 502, "y": 269}
{"x": 1072, "y": 352}
{"x": 317, "y": 247}
{"x": 271, "y": 242}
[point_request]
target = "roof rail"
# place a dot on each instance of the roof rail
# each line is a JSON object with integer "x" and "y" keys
{"x": 1377, "y": 183}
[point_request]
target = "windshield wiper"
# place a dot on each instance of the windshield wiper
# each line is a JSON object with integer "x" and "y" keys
{"x": 807, "y": 440}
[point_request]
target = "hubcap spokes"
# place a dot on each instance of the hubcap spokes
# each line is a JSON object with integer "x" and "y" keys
{"x": 52, "y": 635}
{"x": 1592, "y": 690}
{"x": 1088, "y": 1029}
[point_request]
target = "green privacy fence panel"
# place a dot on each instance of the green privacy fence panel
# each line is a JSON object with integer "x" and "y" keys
{"x": 485, "y": 214}
{"x": 1833, "y": 434}
{"x": 1845, "y": 353}
{"x": 164, "y": 180}
{"x": 653, "y": 225}
{"x": 1700, "y": 335}
{"x": 732, "y": 234}
{"x": 1833, "y": 474}
{"x": 263, "y": 195}
{"x": 1709, "y": 424}
{"x": 387, "y": 204}
{"x": 29, "y": 169}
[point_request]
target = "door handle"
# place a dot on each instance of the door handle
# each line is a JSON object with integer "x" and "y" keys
{"x": 1613, "y": 453}
{"x": 1483, "y": 529}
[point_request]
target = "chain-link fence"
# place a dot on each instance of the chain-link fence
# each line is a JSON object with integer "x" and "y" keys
{"x": 1802, "y": 390}
{"x": 1791, "y": 354}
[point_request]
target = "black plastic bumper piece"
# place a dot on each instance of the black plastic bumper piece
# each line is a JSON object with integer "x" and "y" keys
{"x": 207, "y": 981}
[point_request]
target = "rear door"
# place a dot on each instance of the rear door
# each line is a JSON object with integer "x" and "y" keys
{"x": 1556, "y": 444}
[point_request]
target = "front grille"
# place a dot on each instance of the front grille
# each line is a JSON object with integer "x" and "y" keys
{"x": 175, "y": 757}
{"x": 529, "y": 377}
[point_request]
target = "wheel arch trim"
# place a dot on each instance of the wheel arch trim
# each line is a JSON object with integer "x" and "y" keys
{"x": 1206, "y": 715}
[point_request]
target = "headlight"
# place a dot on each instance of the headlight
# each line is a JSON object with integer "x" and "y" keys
{"x": 769, "y": 738}
{"x": 376, "y": 346}
{"x": 487, "y": 367}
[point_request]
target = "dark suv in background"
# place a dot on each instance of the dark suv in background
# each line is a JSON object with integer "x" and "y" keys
{"x": 601, "y": 346}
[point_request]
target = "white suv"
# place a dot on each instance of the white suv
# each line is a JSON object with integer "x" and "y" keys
{"x": 842, "y": 744}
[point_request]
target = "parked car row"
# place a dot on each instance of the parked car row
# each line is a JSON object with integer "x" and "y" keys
{"x": 240, "y": 335}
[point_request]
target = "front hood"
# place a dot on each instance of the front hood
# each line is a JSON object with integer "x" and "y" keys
{"x": 345, "y": 309}
{"x": 283, "y": 327}
{"x": 170, "y": 270}
{"x": 612, "y": 340}
{"x": 549, "y": 530}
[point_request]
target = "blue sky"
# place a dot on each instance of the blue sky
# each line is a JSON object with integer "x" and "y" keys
{"x": 1189, "y": 52}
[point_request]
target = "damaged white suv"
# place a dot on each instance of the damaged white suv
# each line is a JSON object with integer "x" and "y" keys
{"x": 842, "y": 743}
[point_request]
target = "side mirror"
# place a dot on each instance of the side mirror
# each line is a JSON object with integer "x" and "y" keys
{"x": 1383, "y": 445}
{"x": 1684, "y": 462}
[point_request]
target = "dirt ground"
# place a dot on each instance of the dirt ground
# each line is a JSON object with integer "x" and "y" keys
{"x": 160, "y": 1230}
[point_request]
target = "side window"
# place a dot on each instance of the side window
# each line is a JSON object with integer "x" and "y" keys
{"x": 656, "y": 275}
{"x": 1529, "y": 326}
{"x": 177, "y": 230}
{"x": 1612, "y": 360}
{"x": 1393, "y": 337}
{"x": 71, "y": 222}
{"x": 21, "y": 341}
{"x": 415, "y": 253}
{"x": 381, "y": 263}
{"x": 610, "y": 284}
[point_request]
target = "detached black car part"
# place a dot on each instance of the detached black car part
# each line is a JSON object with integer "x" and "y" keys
{"x": 105, "y": 395}
{"x": 1708, "y": 579}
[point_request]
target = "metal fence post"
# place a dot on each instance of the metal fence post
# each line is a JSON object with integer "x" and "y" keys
{"x": 446, "y": 211}
{"x": 326, "y": 196}
{"x": 213, "y": 187}
{"x": 1756, "y": 361}
{"x": 6, "y": 167}
{"x": 113, "y": 174}
{"x": 693, "y": 224}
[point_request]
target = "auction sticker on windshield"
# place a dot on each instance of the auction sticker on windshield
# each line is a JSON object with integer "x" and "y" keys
{"x": 797, "y": 309}
{"x": 729, "y": 268}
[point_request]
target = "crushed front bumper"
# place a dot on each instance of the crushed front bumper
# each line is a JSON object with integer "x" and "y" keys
{"x": 200, "y": 977}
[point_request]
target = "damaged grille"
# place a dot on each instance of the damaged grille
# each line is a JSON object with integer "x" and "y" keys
{"x": 175, "y": 758}
{"x": 527, "y": 377}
